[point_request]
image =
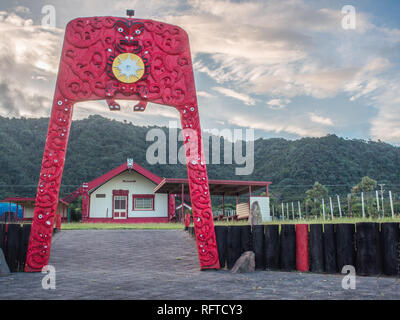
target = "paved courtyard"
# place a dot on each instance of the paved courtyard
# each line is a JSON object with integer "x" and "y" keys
{"x": 163, "y": 264}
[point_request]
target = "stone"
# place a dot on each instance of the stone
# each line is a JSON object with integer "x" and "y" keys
{"x": 255, "y": 217}
{"x": 245, "y": 263}
{"x": 4, "y": 269}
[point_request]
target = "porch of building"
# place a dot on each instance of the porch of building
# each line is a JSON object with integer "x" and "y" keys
{"x": 221, "y": 188}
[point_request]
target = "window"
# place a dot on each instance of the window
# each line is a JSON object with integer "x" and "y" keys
{"x": 143, "y": 202}
{"x": 119, "y": 202}
{"x": 100, "y": 195}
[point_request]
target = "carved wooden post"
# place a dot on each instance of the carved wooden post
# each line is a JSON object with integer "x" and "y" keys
{"x": 198, "y": 186}
{"x": 49, "y": 184}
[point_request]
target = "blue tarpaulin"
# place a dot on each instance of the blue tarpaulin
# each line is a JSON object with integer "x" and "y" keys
{"x": 5, "y": 207}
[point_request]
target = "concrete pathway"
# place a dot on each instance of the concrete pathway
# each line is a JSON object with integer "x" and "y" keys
{"x": 163, "y": 264}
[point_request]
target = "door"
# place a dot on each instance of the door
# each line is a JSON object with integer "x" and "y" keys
{"x": 120, "y": 207}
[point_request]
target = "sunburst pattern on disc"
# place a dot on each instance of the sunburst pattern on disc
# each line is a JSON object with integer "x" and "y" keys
{"x": 128, "y": 67}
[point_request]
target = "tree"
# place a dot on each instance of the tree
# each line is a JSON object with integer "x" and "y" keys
{"x": 314, "y": 196}
{"x": 290, "y": 165}
{"x": 318, "y": 191}
{"x": 367, "y": 185}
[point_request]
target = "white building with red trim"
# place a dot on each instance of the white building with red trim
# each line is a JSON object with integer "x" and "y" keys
{"x": 133, "y": 194}
{"x": 124, "y": 194}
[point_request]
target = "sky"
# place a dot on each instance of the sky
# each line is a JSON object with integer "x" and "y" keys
{"x": 284, "y": 68}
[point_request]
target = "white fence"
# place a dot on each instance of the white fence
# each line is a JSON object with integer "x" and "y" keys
{"x": 376, "y": 204}
{"x": 228, "y": 212}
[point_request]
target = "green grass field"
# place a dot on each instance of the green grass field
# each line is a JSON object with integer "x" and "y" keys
{"x": 313, "y": 221}
{"x": 177, "y": 226}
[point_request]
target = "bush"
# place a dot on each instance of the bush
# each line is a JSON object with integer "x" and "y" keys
{"x": 356, "y": 210}
{"x": 76, "y": 215}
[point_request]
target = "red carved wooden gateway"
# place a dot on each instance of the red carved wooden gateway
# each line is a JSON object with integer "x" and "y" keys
{"x": 122, "y": 58}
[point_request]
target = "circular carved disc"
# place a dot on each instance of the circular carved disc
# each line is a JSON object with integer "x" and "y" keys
{"x": 128, "y": 67}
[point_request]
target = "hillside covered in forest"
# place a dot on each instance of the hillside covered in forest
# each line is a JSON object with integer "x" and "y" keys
{"x": 98, "y": 144}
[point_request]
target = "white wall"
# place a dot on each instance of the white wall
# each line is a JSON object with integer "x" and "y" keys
{"x": 264, "y": 207}
{"x": 28, "y": 211}
{"x": 102, "y": 207}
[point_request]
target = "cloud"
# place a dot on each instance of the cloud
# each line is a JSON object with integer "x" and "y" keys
{"x": 261, "y": 53}
{"x": 294, "y": 49}
{"x": 29, "y": 58}
{"x": 204, "y": 94}
{"x": 271, "y": 50}
{"x": 321, "y": 120}
{"x": 22, "y": 10}
{"x": 235, "y": 95}
{"x": 277, "y": 104}
{"x": 154, "y": 114}
{"x": 386, "y": 124}
{"x": 276, "y": 48}
{"x": 279, "y": 126}
{"x": 368, "y": 79}
{"x": 13, "y": 98}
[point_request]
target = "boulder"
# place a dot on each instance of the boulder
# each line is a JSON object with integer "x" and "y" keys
{"x": 4, "y": 270}
{"x": 245, "y": 263}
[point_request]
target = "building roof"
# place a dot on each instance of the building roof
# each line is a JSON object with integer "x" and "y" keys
{"x": 128, "y": 165}
{"x": 217, "y": 187}
{"x": 171, "y": 185}
{"x": 118, "y": 170}
{"x": 22, "y": 201}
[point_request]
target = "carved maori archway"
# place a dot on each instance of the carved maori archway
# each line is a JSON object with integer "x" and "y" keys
{"x": 122, "y": 58}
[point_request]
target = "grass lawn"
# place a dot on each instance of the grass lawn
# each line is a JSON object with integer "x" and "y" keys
{"x": 177, "y": 226}
{"x": 312, "y": 221}
{"x": 109, "y": 226}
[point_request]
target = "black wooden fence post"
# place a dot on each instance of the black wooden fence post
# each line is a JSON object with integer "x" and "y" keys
{"x": 316, "y": 247}
{"x": 345, "y": 252}
{"x": 390, "y": 239}
{"x": 329, "y": 249}
{"x": 246, "y": 239}
{"x": 233, "y": 244}
{"x": 288, "y": 247}
{"x": 13, "y": 235}
{"x": 258, "y": 246}
{"x": 3, "y": 236}
{"x": 271, "y": 247}
{"x": 221, "y": 234}
{"x": 368, "y": 249}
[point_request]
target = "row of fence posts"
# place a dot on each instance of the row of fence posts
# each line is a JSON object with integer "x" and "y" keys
{"x": 372, "y": 248}
{"x": 14, "y": 240}
{"x": 287, "y": 210}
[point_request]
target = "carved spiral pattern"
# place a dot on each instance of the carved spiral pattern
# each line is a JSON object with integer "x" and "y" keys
{"x": 90, "y": 45}
{"x": 171, "y": 207}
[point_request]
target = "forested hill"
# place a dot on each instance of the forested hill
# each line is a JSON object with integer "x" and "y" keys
{"x": 97, "y": 145}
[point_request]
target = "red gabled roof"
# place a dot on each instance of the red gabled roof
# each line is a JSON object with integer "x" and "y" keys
{"x": 123, "y": 167}
{"x": 111, "y": 174}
